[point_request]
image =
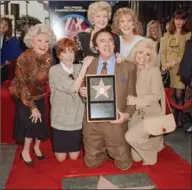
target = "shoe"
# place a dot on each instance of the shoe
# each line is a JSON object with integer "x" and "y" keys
{"x": 42, "y": 157}
{"x": 189, "y": 130}
{"x": 30, "y": 163}
{"x": 180, "y": 125}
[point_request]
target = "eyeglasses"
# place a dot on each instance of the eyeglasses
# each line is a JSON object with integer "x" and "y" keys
{"x": 174, "y": 43}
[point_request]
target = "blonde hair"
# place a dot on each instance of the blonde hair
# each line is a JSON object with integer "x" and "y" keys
{"x": 35, "y": 31}
{"x": 98, "y": 6}
{"x": 116, "y": 19}
{"x": 159, "y": 32}
{"x": 142, "y": 44}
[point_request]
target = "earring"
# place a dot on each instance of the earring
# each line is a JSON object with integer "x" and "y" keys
{"x": 93, "y": 26}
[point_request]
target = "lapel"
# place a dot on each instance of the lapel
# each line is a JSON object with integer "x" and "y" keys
{"x": 61, "y": 71}
{"x": 118, "y": 71}
{"x": 93, "y": 67}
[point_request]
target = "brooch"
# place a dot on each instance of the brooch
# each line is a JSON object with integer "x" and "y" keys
{"x": 71, "y": 76}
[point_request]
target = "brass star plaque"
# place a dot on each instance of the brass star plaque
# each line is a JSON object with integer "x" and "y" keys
{"x": 101, "y": 100}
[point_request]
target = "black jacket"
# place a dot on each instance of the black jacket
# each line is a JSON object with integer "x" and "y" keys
{"x": 185, "y": 70}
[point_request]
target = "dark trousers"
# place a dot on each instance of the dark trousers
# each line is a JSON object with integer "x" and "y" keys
{"x": 4, "y": 73}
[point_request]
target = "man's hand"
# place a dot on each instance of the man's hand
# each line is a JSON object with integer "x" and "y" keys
{"x": 131, "y": 100}
{"x": 83, "y": 91}
{"x": 122, "y": 117}
{"x": 35, "y": 115}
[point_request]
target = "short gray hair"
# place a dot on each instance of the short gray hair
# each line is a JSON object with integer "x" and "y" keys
{"x": 35, "y": 31}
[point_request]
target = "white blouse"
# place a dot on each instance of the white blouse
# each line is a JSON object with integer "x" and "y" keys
{"x": 125, "y": 48}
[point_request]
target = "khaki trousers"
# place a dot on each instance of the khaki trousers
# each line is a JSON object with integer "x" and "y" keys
{"x": 144, "y": 146}
{"x": 101, "y": 137}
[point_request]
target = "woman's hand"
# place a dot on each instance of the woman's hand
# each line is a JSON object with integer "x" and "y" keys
{"x": 119, "y": 58}
{"x": 164, "y": 68}
{"x": 171, "y": 64}
{"x": 168, "y": 65}
{"x": 131, "y": 100}
{"x": 87, "y": 61}
{"x": 122, "y": 117}
{"x": 83, "y": 91}
{"x": 35, "y": 115}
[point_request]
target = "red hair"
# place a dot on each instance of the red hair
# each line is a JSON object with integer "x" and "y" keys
{"x": 65, "y": 44}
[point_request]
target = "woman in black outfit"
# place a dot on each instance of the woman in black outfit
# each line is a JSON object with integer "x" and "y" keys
{"x": 185, "y": 72}
{"x": 99, "y": 14}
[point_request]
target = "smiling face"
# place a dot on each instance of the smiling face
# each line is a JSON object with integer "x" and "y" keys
{"x": 126, "y": 24}
{"x": 105, "y": 45}
{"x": 179, "y": 23}
{"x": 40, "y": 44}
{"x": 143, "y": 56}
{"x": 154, "y": 29}
{"x": 67, "y": 57}
{"x": 100, "y": 19}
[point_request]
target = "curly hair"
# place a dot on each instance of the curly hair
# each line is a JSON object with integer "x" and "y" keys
{"x": 98, "y": 6}
{"x": 64, "y": 44}
{"x": 116, "y": 19}
{"x": 179, "y": 14}
{"x": 142, "y": 44}
{"x": 159, "y": 32}
{"x": 35, "y": 31}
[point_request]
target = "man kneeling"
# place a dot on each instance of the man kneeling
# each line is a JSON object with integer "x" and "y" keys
{"x": 101, "y": 136}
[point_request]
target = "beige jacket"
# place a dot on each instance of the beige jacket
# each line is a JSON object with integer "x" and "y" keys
{"x": 150, "y": 93}
{"x": 67, "y": 108}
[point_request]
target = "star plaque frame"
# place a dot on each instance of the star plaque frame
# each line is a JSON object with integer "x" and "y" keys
{"x": 101, "y": 98}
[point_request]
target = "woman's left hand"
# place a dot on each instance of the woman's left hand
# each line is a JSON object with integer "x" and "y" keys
{"x": 122, "y": 117}
{"x": 131, "y": 100}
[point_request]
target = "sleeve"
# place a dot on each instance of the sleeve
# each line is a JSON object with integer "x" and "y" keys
{"x": 117, "y": 43}
{"x": 185, "y": 69}
{"x": 21, "y": 76}
{"x": 156, "y": 90}
{"x": 163, "y": 49}
{"x": 60, "y": 82}
{"x": 181, "y": 54}
{"x": 79, "y": 55}
{"x": 131, "y": 88}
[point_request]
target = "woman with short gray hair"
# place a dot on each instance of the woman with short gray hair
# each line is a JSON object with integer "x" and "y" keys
{"x": 28, "y": 88}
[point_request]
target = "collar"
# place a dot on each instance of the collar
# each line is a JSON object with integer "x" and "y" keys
{"x": 111, "y": 60}
{"x": 66, "y": 69}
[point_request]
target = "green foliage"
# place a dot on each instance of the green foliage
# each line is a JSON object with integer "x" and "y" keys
{"x": 25, "y": 20}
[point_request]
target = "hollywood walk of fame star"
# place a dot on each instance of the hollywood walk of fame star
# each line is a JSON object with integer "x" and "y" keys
{"x": 101, "y": 89}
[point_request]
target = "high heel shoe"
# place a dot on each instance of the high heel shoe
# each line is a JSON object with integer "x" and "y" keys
{"x": 30, "y": 163}
{"x": 42, "y": 157}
